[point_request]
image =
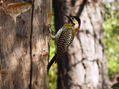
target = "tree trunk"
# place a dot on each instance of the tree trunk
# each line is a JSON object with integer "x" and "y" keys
{"x": 24, "y": 46}
{"x": 84, "y": 66}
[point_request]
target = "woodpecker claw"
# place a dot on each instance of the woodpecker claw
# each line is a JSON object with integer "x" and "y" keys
{"x": 50, "y": 29}
{"x": 51, "y": 32}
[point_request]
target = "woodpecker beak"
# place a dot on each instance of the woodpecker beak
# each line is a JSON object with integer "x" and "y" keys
{"x": 70, "y": 19}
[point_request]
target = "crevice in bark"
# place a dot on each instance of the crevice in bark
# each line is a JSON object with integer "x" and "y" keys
{"x": 78, "y": 37}
{"x": 94, "y": 34}
{"x": 73, "y": 2}
{"x": 84, "y": 66}
{"x": 81, "y": 8}
{"x": 31, "y": 58}
{"x": 74, "y": 65}
{"x": 77, "y": 85}
{"x": 95, "y": 38}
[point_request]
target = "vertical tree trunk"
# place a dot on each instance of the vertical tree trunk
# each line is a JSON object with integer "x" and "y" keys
{"x": 40, "y": 41}
{"x": 14, "y": 51}
{"x": 84, "y": 66}
{"x": 24, "y": 47}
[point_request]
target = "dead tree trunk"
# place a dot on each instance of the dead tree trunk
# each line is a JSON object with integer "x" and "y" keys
{"x": 24, "y": 45}
{"x": 84, "y": 66}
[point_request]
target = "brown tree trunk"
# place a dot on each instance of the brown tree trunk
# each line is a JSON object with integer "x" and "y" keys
{"x": 24, "y": 46}
{"x": 84, "y": 66}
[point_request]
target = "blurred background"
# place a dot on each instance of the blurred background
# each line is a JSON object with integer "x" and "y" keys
{"x": 92, "y": 60}
{"x": 99, "y": 18}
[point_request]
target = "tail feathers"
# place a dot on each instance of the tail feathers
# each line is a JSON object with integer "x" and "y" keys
{"x": 51, "y": 62}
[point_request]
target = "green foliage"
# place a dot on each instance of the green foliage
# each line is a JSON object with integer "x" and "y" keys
{"x": 52, "y": 72}
{"x": 115, "y": 86}
{"x": 111, "y": 38}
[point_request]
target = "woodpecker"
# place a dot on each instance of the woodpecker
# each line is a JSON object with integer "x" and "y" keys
{"x": 64, "y": 38}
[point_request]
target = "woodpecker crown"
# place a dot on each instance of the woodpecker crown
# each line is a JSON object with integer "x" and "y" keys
{"x": 78, "y": 19}
{"x": 75, "y": 21}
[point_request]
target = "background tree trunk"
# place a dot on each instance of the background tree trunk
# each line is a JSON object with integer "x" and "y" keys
{"x": 84, "y": 66}
{"x": 24, "y": 48}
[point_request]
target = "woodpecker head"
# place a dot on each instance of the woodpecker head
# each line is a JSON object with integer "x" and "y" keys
{"x": 75, "y": 21}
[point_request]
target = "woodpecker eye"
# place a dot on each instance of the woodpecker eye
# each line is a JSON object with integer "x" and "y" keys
{"x": 72, "y": 18}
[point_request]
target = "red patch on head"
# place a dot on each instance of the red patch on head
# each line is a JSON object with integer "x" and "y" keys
{"x": 79, "y": 24}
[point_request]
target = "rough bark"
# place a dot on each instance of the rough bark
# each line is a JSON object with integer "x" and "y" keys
{"x": 40, "y": 41}
{"x": 14, "y": 51}
{"x": 24, "y": 48}
{"x": 84, "y": 66}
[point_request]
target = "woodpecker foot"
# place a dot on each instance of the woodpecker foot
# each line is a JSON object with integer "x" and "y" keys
{"x": 51, "y": 32}
{"x": 50, "y": 29}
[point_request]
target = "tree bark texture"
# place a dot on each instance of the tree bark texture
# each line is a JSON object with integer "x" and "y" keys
{"x": 24, "y": 48}
{"x": 84, "y": 66}
{"x": 40, "y": 41}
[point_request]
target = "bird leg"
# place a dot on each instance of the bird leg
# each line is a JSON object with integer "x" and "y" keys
{"x": 51, "y": 32}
